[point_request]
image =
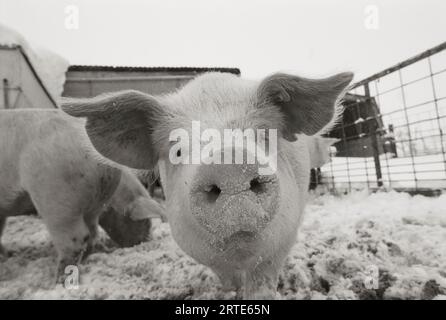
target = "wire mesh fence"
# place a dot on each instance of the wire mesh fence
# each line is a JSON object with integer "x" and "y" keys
{"x": 393, "y": 130}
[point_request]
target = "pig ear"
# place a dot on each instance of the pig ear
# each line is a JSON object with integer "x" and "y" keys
{"x": 146, "y": 208}
{"x": 330, "y": 141}
{"x": 120, "y": 125}
{"x": 319, "y": 149}
{"x": 308, "y": 105}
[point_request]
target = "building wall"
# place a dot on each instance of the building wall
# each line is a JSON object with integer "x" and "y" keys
{"x": 92, "y": 83}
{"x": 355, "y": 135}
{"x": 23, "y": 88}
{"x": 359, "y": 147}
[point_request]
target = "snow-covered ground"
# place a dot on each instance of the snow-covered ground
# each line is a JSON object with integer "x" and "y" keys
{"x": 341, "y": 240}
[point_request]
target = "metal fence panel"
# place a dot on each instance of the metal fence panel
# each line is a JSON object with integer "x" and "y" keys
{"x": 393, "y": 132}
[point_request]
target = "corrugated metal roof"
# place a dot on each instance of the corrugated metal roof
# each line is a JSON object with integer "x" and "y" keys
{"x": 152, "y": 69}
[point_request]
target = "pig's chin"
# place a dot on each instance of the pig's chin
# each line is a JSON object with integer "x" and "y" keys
{"x": 240, "y": 242}
{"x": 240, "y": 248}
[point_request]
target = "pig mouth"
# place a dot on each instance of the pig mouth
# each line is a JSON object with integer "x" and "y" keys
{"x": 239, "y": 247}
{"x": 238, "y": 240}
{"x": 241, "y": 236}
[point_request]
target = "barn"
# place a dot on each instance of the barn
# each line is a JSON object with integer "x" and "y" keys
{"x": 29, "y": 77}
{"x": 89, "y": 81}
{"x": 21, "y": 85}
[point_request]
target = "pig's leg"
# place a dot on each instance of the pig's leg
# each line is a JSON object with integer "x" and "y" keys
{"x": 230, "y": 280}
{"x": 93, "y": 245}
{"x": 260, "y": 288}
{"x": 261, "y": 283}
{"x": 65, "y": 222}
{"x": 70, "y": 236}
{"x": 3, "y": 252}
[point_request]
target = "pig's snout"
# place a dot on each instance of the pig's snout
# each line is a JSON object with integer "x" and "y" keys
{"x": 233, "y": 201}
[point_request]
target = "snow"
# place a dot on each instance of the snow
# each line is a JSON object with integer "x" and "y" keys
{"x": 403, "y": 237}
{"x": 50, "y": 67}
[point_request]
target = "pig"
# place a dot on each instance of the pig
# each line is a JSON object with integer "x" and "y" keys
{"x": 127, "y": 217}
{"x": 320, "y": 154}
{"x": 46, "y": 168}
{"x": 228, "y": 216}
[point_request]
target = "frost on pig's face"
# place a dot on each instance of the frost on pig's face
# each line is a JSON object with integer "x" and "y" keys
{"x": 228, "y": 206}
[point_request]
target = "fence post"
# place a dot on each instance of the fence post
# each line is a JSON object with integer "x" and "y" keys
{"x": 6, "y": 93}
{"x": 373, "y": 131}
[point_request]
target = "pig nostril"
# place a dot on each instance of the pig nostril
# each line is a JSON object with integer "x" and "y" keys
{"x": 257, "y": 186}
{"x": 212, "y": 193}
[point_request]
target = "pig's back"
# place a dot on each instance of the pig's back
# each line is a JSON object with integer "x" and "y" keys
{"x": 41, "y": 146}
{"x": 20, "y": 128}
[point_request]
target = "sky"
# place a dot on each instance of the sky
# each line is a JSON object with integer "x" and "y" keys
{"x": 310, "y": 38}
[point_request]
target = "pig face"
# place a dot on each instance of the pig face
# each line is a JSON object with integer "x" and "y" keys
{"x": 127, "y": 217}
{"x": 232, "y": 216}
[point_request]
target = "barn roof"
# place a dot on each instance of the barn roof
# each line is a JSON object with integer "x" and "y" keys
{"x": 152, "y": 69}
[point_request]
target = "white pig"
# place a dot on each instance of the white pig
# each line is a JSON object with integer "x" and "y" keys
{"x": 46, "y": 168}
{"x": 229, "y": 217}
{"x": 127, "y": 216}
